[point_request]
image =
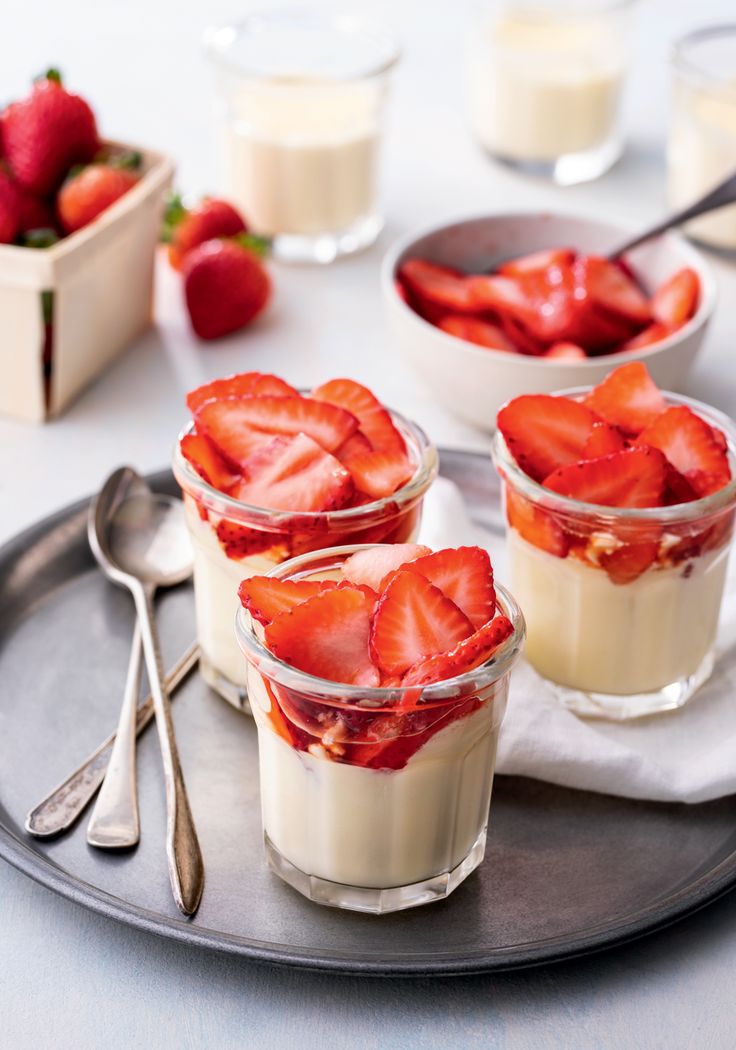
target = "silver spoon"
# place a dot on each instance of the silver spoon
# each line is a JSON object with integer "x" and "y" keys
{"x": 142, "y": 543}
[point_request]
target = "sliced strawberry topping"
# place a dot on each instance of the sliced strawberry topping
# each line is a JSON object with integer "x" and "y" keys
{"x": 605, "y": 439}
{"x": 371, "y": 567}
{"x": 635, "y": 477}
{"x": 689, "y": 444}
{"x": 439, "y": 284}
{"x": 653, "y": 333}
{"x": 413, "y": 620}
{"x": 265, "y": 598}
{"x": 374, "y": 420}
{"x": 207, "y": 461}
{"x": 327, "y": 424}
{"x": 379, "y": 474}
{"x": 627, "y": 563}
{"x": 676, "y": 300}
{"x": 536, "y": 261}
{"x": 678, "y": 489}
{"x": 468, "y": 654}
{"x": 566, "y": 352}
{"x": 545, "y": 432}
{"x": 476, "y": 330}
{"x": 465, "y": 576}
{"x": 608, "y": 287}
{"x": 222, "y": 422}
{"x": 241, "y": 385}
{"x": 356, "y": 445}
{"x": 294, "y": 474}
{"x": 328, "y": 636}
{"x": 238, "y": 541}
{"x": 628, "y": 397}
{"x": 535, "y": 525}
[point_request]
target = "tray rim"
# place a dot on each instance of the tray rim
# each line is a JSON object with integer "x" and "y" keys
{"x": 690, "y": 898}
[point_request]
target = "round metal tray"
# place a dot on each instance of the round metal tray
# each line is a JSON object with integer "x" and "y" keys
{"x": 567, "y": 872}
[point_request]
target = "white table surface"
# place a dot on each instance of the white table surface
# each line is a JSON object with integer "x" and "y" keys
{"x": 70, "y": 979}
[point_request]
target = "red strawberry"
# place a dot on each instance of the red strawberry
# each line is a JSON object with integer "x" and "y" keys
{"x": 207, "y": 461}
{"x": 535, "y": 525}
{"x": 294, "y": 474}
{"x": 225, "y": 287}
{"x": 326, "y": 424}
{"x": 475, "y": 330}
{"x": 243, "y": 384}
{"x": 371, "y": 567}
{"x": 221, "y": 421}
{"x": 653, "y": 333}
{"x": 266, "y": 598}
{"x": 356, "y": 445}
{"x": 688, "y": 443}
{"x": 239, "y": 541}
{"x": 467, "y": 655}
{"x": 676, "y": 300}
{"x": 328, "y": 636}
{"x": 537, "y": 261}
{"x": 635, "y": 477}
{"x": 10, "y": 209}
{"x": 604, "y": 439}
{"x": 413, "y": 620}
{"x": 374, "y": 420}
{"x": 545, "y": 432}
{"x": 379, "y": 474}
{"x": 465, "y": 576}
{"x": 566, "y": 352}
{"x": 439, "y": 284}
{"x": 628, "y": 397}
{"x": 679, "y": 489}
{"x": 35, "y": 213}
{"x": 46, "y": 133}
{"x": 520, "y": 336}
{"x": 608, "y": 287}
{"x": 627, "y": 563}
{"x": 187, "y": 228}
{"x": 86, "y": 195}
{"x": 544, "y": 306}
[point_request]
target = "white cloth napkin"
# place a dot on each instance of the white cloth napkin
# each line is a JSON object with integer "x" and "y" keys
{"x": 688, "y": 755}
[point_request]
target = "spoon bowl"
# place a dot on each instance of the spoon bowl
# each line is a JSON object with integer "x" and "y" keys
{"x": 147, "y": 537}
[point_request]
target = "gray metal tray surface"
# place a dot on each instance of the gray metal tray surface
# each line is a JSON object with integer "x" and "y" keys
{"x": 566, "y": 872}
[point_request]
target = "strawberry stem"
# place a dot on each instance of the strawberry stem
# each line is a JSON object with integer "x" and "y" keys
{"x": 51, "y": 74}
{"x": 43, "y": 237}
{"x": 253, "y": 242}
{"x": 127, "y": 160}
{"x": 174, "y": 213}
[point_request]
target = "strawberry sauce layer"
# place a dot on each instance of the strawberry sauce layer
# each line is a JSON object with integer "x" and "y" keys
{"x": 620, "y": 445}
{"x": 399, "y": 617}
{"x": 557, "y": 304}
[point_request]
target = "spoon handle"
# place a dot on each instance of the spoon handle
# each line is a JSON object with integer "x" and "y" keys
{"x": 58, "y": 811}
{"x": 114, "y": 823}
{"x": 186, "y": 868}
{"x": 722, "y": 194}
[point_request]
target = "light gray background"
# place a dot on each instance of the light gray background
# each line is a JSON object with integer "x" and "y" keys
{"x": 69, "y": 979}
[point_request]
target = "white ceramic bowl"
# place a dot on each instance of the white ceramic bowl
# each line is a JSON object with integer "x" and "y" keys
{"x": 473, "y": 382}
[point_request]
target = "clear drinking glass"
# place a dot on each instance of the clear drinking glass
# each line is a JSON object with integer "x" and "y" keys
{"x": 621, "y": 605}
{"x": 300, "y": 97}
{"x": 233, "y": 540}
{"x": 374, "y": 800}
{"x": 544, "y": 84}
{"x": 702, "y": 142}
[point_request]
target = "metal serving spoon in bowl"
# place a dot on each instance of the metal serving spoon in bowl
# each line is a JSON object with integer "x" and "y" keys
{"x": 141, "y": 542}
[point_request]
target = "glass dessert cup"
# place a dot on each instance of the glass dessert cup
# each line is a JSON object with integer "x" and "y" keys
{"x": 300, "y": 102}
{"x": 621, "y": 605}
{"x": 374, "y": 799}
{"x": 544, "y": 84}
{"x": 260, "y": 539}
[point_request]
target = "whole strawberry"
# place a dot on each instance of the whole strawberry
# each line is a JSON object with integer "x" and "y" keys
{"x": 86, "y": 194}
{"x": 10, "y": 208}
{"x": 225, "y": 287}
{"x": 46, "y": 133}
{"x": 185, "y": 228}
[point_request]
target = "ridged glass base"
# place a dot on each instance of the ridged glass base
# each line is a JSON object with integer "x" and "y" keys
{"x": 570, "y": 169}
{"x": 326, "y": 247}
{"x": 370, "y": 900}
{"x": 640, "y": 705}
{"x": 236, "y": 695}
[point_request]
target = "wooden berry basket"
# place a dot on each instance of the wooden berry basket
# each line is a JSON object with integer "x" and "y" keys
{"x": 101, "y": 280}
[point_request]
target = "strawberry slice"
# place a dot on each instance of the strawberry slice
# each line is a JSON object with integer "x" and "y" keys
{"x": 328, "y": 425}
{"x": 520, "y": 336}
{"x": 238, "y": 541}
{"x": 676, "y": 300}
{"x": 221, "y": 422}
{"x": 628, "y": 397}
{"x": 467, "y": 655}
{"x": 379, "y": 474}
{"x": 627, "y": 563}
{"x": 635, "y": 477}
{"x": 207, "y": 461}
{"x": 604, "y": 439}
{"x": 356, "y": 445}
{"x": 413, "y": 620}
{"x": 328, "y": 636}
{"x": 543, "y": 303}
{"x": 465, "y": 576}
{"x": 241, "y": 385}
{"x": 294, "y": 474}
{"x": 566, "y": 352}
{"x": 441, "y": 285}
{"x": 265, "y": 598}
{"x": 371, "y": 567}
{"x": 653, "y": 333}
{"x": 608, "y": 287}
{"x": 374, "y": 420}
{"x": 537, "y": 261}
{"x": 535, "y": 525}
{"x": 544, "y": 432}
{"x": 690, "y": 446}
{"x": 475, "y": 330}
{"x": 678, "y": 489}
